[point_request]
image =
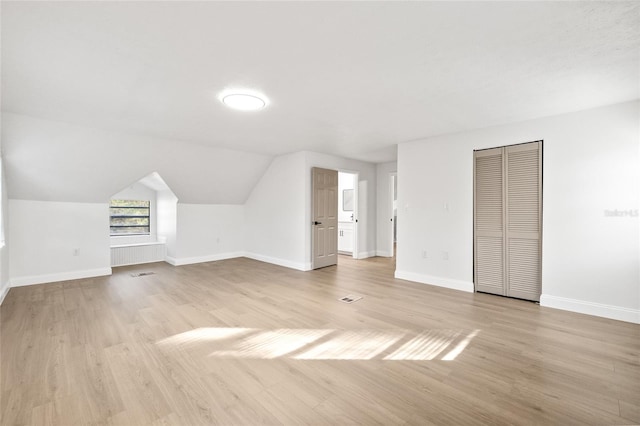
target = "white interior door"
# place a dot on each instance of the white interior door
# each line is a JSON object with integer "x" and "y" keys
{"x": 324, "y": 217}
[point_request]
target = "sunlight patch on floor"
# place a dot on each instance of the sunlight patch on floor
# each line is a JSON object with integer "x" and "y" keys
{"x": 353, "y": 344}
{"x": 461, "y": 346}
{"x": 203, "y": 334}
{"x": 325, "y": 344}
{"x": 425, "y": 346}
{"x": 271, "y": 343}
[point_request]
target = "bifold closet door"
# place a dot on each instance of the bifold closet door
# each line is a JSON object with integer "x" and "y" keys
{"x": 507, "y": 220}
{"x": 523, "y": 167}
{"x": 489, "y": 221}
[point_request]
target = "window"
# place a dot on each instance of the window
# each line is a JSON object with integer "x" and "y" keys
{"x": 129, "y": 217}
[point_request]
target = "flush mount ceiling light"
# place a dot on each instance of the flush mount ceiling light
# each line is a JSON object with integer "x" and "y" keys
{"x": 243, "y": 101}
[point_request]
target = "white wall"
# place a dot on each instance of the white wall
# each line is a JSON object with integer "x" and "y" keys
{"x": 4, "y": 213}
{"x": 366, "y": 216}
{"x": 61, "y": 164}
{"x": 278, "y": 211}
{"x": 384, "y": 224}
{"x": 274, "y": 225}
{"x": 275, "y": 214}
{"x": 167, "y": 215}
{"x": 208, "y": 232}
{"x": 591, "y": 262}
{"x": 4, "y": 245}
{"x": 138, "y": 191}
{"x": 44, "y": 236}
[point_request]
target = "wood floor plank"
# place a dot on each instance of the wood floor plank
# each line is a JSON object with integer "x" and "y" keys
{"x": 244, "y": 342}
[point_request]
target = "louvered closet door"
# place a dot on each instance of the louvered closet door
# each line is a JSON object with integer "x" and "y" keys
{"x": 508, "y": 220}
{"x": 523, "y": 220}
{"x": 489, "y": 262}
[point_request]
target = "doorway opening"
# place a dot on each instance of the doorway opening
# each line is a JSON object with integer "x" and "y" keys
{"x": 348, "y": 214}
{"x": 393, "y": 206}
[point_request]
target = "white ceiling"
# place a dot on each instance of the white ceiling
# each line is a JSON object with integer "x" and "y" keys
{"x": 346, "y": 78}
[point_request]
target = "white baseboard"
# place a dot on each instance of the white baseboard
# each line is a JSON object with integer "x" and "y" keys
{"x": 437, "y": 281}
{"x": 280, "y": 262}
{"x": 212, "y": 258}
{"x": 383, "y": 253}
{"x": 179, "y": 261}
{"x": 591, "y": 308}
{"x": 366, "y": 254}
{"x": 62, "y": 276}
{"x": 4, "y": 291}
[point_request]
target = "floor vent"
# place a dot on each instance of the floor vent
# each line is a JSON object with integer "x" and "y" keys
{"x": 141, "y": 274}
{"x": 350, "y": 298}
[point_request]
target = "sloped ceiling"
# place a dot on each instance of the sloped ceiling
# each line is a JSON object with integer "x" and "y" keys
{"x": 138, "y": 83}
{"x": 55, "y": 161}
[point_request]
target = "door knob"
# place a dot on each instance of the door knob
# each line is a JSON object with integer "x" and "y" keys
{"x": 317, "y": 223}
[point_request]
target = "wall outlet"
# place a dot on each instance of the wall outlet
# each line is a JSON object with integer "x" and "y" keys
{"x": 424, "y": 254}
{"x": 445, "y": 255}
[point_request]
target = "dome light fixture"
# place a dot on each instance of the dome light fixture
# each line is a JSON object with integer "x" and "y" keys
{"x": 243, "y": 101}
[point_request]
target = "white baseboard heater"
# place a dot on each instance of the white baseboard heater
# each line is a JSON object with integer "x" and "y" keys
{"x": 134, "y": 254}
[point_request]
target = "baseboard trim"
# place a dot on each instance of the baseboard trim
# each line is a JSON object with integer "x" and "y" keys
{"x": 62, "y": 276}
{"x": 280, "y": 262}
{"x": 436, "y": 281}
{"x": 591, "y": 308}
{"x": 179, "y": 261}
{"x": 366, "y": 254}
{"x": 383, "y": 253}
{"x": 4, "y": 292}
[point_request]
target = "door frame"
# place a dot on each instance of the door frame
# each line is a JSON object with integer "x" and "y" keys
{"x": 312, "y": 216}
{"x": 393, "y": 177}
{"x": 356, "y": 184}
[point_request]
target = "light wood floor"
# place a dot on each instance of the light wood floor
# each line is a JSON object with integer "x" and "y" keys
{"x": 244, "y": 342}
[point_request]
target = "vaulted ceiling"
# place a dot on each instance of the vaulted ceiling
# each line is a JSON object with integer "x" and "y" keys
{"x": 346, "y": 78}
